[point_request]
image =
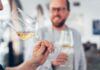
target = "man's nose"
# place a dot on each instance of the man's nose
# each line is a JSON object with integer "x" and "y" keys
{"x": 56, "y": 12}
{"x": 1, "y": 6}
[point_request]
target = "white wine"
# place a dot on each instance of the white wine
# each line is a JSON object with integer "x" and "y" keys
{"x": 25, "y": 35}
{"x": 66, "y": 46}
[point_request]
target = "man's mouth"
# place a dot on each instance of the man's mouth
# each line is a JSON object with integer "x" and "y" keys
{"x": 57, "y": 16}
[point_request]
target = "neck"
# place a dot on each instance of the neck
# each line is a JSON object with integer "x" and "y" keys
{"x": 60, "y": 28}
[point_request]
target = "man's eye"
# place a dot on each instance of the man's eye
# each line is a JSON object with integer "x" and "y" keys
{"x": 54, "y": 9}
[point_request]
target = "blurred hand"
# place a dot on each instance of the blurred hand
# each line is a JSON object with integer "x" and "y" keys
{"x": 61, "y": 59}
{"x": 41, "y": 52}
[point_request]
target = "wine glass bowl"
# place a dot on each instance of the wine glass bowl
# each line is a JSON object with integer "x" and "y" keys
{"x": 23, "y": 24}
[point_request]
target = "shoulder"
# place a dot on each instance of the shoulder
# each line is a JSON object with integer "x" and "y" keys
{"x": 75, "y": 32}
{"x": 76, "y": 35}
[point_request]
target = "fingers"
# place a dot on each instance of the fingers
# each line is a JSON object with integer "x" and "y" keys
{"x": 44, "y": 57}
{"x": 37, "y": 45}
{"x": 46, "y": 54}
{"x": 43, "y": 49}
{"x": 48, "y": 45}
{"x": 58, "y": 62}
{"x": 62, "y": 56}
{"x": 61, "y": 59}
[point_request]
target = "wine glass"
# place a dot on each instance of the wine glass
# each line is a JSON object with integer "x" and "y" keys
{"x": 66, "y": 45}
{"x": 23, "y": 24}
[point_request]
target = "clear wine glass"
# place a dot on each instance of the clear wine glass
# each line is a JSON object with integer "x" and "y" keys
{"x": 23, "y": 24}
{"x": 66, "y": 45}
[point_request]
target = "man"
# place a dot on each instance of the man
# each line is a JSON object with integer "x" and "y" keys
{"x": 59, "y": 12}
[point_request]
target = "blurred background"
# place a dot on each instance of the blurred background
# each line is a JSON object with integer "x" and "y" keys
{"x": 84, "y": 17}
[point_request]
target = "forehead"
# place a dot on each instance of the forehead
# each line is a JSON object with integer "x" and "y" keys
{"x": 58, "y": 3}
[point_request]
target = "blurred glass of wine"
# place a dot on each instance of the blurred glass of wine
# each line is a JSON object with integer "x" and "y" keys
{"x": 66, "y": 45}
{"x": 23, "y": 24}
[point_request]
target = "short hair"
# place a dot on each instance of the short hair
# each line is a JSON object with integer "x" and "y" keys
{"x": 68, "y": 5}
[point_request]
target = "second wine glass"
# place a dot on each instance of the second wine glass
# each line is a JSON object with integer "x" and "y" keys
{"x": 66, "y": 45}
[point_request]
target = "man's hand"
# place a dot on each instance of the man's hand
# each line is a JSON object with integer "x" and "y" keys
{"x": 41, "y": 52}
{"x": 61, "y": 59}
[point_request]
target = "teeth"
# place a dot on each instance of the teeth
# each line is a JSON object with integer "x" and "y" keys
{"x": 57, "y": 18}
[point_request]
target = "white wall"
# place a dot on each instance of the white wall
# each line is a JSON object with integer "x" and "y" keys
{"x": 81, "y": 17}
{"x": 90, "y": 10}
{"x": 29, "y": 6}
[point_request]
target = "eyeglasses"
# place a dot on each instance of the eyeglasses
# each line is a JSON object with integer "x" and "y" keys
{"x": 58, "y": 9}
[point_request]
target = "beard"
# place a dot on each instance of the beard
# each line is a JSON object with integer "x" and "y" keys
{"x": 58, "y": 25}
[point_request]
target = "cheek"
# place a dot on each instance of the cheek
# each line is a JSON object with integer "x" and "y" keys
{"x": 64, "y": 16}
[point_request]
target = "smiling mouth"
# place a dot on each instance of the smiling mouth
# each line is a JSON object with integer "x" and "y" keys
{"x": 57, "y": 18}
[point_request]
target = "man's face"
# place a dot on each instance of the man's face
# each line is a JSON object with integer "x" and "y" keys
{"x": 58, "y": 12}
